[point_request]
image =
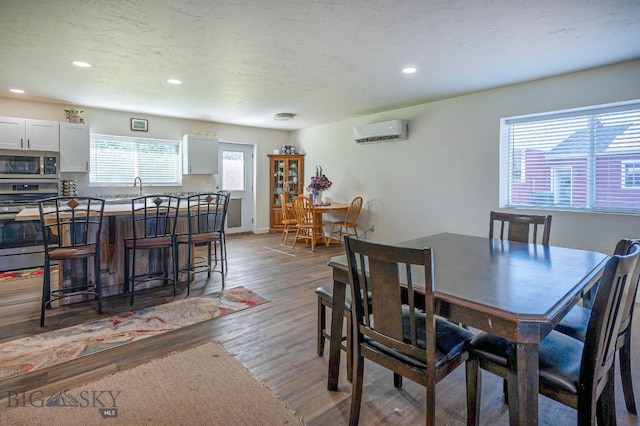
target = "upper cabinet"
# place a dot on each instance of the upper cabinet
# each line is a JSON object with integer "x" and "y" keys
{"x": 27, "y": 134}
{"x": 199, "y": 155}
{"x": 74, "y": 147}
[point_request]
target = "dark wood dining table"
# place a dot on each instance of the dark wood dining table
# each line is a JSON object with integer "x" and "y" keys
{"x": 517, "y": 291}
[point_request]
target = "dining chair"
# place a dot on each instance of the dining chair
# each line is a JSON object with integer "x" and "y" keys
{"x": 392, "y": 331}
{"x": 288, "y": 221}
{"x": 342, "y": 228}
{"x": 307, "y": 228}
{"x": 206, "y": 214}
{"x": 521, "y": 227}
{"x": 576, "y": 322}
{"x": 153, "y": 227}
{"x": 71, "y": 228}
{"x": 576, "y": 373}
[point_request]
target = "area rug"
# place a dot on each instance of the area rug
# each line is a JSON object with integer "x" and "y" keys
{"x": 201, "y": 386}
{"x": 43, "y": 350}
{"x": 24, "y": 273}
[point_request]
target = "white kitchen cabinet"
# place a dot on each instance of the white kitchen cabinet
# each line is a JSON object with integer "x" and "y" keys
{"x": 27, "y": 134}
{"x": 74, "y": 147}
{"x": 199, "y": 155}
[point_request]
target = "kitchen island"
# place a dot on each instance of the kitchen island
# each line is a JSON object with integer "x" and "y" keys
{"x": 117, "y": 225}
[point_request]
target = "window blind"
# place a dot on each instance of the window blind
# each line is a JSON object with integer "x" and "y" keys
{"x": 117, "y": 160}
{"x": 586, "y": 159}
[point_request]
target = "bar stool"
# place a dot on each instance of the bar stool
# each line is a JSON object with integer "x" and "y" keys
{"x": 71, "y": 228}
{"x": 206, "y": 215}
{"x": 154, "y": 219}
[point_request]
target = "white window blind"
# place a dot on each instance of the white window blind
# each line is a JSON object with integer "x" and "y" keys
{"x": 118, "y": 160}
{"x": 586, "y": 159}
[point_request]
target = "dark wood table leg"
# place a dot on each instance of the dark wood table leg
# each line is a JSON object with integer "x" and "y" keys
{"x": 337, "y": 312}
{"x": 527, "y": 373}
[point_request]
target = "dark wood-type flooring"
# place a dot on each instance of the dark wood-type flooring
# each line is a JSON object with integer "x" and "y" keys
{"x": 276, "y": 341}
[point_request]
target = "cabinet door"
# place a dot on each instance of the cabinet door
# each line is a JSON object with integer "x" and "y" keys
{"x": 199, "y": 155}
{"x": 43, "y": 135}
{"x": 74, "y": 147}
{"x": 12, "y": 133}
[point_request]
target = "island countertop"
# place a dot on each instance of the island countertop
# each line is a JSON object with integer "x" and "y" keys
{"x": 118, "y": 209}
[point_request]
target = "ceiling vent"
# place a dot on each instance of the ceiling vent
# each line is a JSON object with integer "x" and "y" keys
{"x": 393, "y": 130}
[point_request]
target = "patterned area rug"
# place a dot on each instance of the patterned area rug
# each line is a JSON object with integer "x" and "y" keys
{"x": 43, "y": 350}
{"x": 24, "y": 273}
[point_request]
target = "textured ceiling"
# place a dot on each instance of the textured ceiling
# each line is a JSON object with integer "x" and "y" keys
{"x": 242, "y": 61}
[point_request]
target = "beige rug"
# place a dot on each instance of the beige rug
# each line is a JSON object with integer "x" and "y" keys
{"x": 201, "y": 386}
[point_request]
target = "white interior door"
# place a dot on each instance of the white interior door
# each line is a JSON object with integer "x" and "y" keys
{"x": 235, "y": 174}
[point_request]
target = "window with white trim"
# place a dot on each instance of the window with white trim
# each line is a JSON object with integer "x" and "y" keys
{"x": 118, "y": 160}
{"x": 586, "y": 159}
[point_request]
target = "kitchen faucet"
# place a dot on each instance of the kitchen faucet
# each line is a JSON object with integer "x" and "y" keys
{"x": 134, "y": 184}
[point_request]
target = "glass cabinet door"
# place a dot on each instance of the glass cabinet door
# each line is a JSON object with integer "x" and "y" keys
{"x": 278, "y": 180}
{"x": 292, "y": 180}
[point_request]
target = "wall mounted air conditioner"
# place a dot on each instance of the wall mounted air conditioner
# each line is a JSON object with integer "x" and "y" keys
{"x": 393, "y": 130}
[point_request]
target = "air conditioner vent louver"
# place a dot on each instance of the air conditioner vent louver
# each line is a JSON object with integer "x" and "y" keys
{"x": 385, "y": 131}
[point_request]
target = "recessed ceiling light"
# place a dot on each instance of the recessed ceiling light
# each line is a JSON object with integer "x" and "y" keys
{"x": 16, "y": 90}
{"x": 81, "y": 64}
{"x": 284, "y": 116}
{"x": 174, "y": 81}
{"x": 409, "y": 70}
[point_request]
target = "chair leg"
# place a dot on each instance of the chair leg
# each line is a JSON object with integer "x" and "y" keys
{"x": 133, "y": 273}
{"x": 356, "y": 390}
{"x": 474, "y": 390}
{"x": 127, "y": 284}
{"x": 98, "y": 281}
{"x": 322, "y": 318}
{"x": 46, "y": 290}
{"x": 624, "y": 356}
{"x": 606, "y": 404}
{"x": 397, "y": 381}
{"x": 347, "y": 316}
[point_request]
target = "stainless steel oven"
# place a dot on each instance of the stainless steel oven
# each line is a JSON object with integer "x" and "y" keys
{"x": 21, "y": 243}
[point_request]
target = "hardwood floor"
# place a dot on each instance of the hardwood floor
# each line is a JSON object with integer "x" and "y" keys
{"x": 276, "y": 341}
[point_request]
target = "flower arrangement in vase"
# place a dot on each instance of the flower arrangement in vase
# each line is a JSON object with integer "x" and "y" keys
{"x": 319, "y": 183}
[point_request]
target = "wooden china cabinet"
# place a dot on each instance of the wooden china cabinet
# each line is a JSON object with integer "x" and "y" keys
{"x": 286, "y": 173}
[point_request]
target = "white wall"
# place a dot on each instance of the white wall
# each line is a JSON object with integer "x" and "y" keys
{"x": 445, "y": 177}
{"x": 118, "y": 123}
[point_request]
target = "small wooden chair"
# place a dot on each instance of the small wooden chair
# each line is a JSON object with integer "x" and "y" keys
{"x": 521, "y": 227}
{"x": 288, "y": 222}
{"x": 395, "y": 333}
{"x": 307, "y": 228}
{"x": 350, "y": 222}
{"x": 576, "y": 322}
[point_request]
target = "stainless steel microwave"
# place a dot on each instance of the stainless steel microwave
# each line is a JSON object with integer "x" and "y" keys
{"x": 28, "y": 166}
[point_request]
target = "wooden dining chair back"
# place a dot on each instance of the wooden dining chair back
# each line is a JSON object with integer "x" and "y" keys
{"x": 206, "y": 216}
{"x": 348, "y": 226}
{"x": 399, "y": 329}
{"x": 71, "y": 229}
{"x": 575, "y": 324}
{"x": 308, "y": 228}
{"x": 574, "y": 373}
{"x": 288, "y": 219}
{"x": 153, "y": 219}
{"x": 521, "y": 228}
